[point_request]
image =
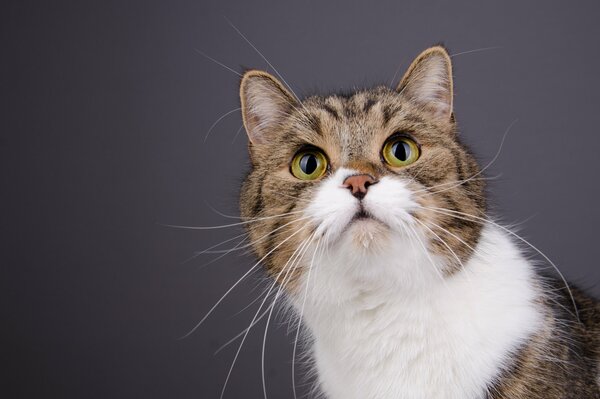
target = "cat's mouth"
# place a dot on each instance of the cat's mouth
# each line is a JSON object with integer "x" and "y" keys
{"x": 365, "y": 229}
{"x": 363, "y": 215}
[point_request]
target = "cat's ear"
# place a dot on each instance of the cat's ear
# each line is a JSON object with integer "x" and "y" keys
{"x": 428, "y": 82}
{"x": 265, "y": 104}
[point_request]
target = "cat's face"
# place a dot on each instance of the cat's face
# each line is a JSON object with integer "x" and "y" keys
{"x": 362, "y": 177}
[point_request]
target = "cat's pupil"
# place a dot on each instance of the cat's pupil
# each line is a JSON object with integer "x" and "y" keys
{"x": 401, "y": 150}
{"x": 309, "y": 163}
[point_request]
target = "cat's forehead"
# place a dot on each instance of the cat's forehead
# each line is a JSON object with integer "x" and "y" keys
{"x": 356, "y": 106}
{"x": 356, "y": 124}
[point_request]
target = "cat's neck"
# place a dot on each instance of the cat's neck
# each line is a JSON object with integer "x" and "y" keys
{"x": 448, "y": 340}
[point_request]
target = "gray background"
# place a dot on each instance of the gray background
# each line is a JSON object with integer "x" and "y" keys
{"x": 104, "y": 112}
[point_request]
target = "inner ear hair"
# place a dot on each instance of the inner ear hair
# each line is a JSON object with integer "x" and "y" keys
{"x": 428, "y": 82}
{"x": 265, "y": 103}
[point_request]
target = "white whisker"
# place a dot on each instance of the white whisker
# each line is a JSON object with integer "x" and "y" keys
{"x": 210, "y": 250}
{"x": 263, "y": 57}
{"x": 457, "y": 238}
{"x": 300, "y": 319}
{"x": 455, "y": 183}
{"x": 229, "y": 225}
{"x": 425, "y": 251}
{"x": 258, "y": 311}
{"x": 240, "y": 334}
{"x": 249, "y": 245}
{"x": 237, "y": 134}
{"x": 477, "y": 50}
{"x": 442, "y": 241}
{"x": 485, "y": 167}
{"x": 219, "y": 120}
{"x": 271, "y": 65}
{"x": 217, "y": 62}
{"x": 237, "y": 282}
{"x": 293, "y": 265}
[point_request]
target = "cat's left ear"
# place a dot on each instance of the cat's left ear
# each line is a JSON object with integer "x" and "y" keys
{"x": 428, "y": 82}
{"x": 265, "y": 104}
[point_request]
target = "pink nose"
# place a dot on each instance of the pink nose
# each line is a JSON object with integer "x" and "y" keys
{"x": 359, "y": 184}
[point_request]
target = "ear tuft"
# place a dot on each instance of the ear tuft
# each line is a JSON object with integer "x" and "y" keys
{"x": 428, "y": 82}
{"x": 265, "y": 103}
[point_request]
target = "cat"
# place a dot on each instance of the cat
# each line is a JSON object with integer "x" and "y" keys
{"x": 370, "y": 214}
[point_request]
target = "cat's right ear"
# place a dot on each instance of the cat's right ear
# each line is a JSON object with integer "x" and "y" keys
{"x": 265, "y": 104}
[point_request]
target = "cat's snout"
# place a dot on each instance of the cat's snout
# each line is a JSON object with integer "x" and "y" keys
{"x": 359, "y": 184}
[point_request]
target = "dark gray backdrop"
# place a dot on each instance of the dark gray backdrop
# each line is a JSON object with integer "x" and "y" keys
{"x": 105, "y": 108}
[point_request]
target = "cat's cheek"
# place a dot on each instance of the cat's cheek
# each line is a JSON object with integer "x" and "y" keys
{"x": 391, "y": 201}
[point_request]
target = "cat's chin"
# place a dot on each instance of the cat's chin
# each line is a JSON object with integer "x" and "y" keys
{"x": 368, "y": 234}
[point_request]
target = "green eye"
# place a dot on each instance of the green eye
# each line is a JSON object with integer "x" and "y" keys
{"x": 400, "y": 151}
{"x": 309, "y": 165}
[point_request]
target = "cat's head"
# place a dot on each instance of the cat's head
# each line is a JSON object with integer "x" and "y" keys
{"x": 369, "y": 179}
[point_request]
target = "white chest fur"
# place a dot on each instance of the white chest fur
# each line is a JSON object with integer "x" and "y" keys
{"x": 377, "y": 337}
